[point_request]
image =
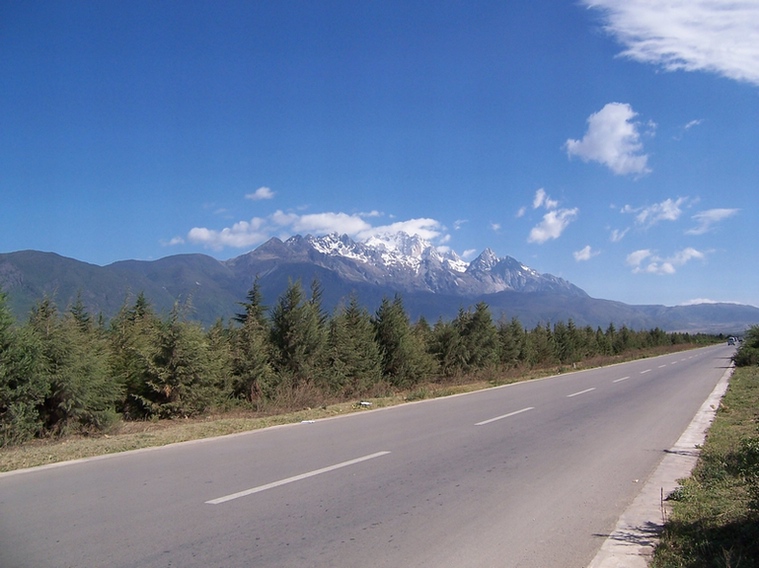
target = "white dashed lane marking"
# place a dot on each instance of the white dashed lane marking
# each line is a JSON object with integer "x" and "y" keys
{"x": 505, "y": 416}
{"x": 581, "y": 392}
{"x": 293, "y": 479}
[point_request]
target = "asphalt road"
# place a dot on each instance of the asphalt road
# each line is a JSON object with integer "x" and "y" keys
{"x": 533, "y": 474}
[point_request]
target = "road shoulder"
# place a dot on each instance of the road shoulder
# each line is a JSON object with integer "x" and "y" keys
{"x": 631, "y": 544}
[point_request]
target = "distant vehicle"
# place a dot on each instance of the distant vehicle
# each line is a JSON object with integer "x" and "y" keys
{"x": 731, "y": 341}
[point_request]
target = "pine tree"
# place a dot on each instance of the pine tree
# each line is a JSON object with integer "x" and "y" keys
{"x": 565, "y": 348}
{"x": 611, "y": 339}
{"x": 252, "y": 374}
{"x": 511, "y": 336}
{"x": 83, "y": 394}
{"x": 603, "y": 342}
{"x": 132, "y": 338}
{"x": 80, "y": 314}
{"x": 448, "y": 349}
{"x": 298, "y": 337}
{"x": 23, "y": 385}
{"x": 254, "y": 307}
{"x": 353, "y": 354}
{"x": 540, "y": 346}
{"x": 479, "y": 337}
{"x": 405, "y": 361}
{"x": 180, "y": 376}
{"x": 220, "y": 346}
{"x": 590, "y": 343}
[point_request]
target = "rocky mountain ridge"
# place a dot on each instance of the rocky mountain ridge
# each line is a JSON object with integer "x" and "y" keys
{"x": 413, "y": 264}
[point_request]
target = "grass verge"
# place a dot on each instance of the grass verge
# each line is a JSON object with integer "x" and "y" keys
{"x": 146, "y": 434}
{"x": 715, "y": 514}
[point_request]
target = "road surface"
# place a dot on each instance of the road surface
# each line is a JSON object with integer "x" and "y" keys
{"x": 531, "y": 475}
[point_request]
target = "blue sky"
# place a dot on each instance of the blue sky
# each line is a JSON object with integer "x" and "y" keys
{"x": 612, "y": 143}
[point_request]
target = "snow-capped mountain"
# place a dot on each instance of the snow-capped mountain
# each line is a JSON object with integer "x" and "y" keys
{"x": 410, "y": 263}
{"x": 432, "y": 282}
{"x": 387, "y": 249}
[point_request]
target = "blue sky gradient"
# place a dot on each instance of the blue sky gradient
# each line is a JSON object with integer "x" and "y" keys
{"x": 608, "y": 142}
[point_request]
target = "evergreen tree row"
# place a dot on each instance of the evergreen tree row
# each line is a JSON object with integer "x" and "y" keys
{"x": 71, "y": 373}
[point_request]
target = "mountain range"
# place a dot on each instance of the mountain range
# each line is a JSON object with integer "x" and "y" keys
{"x": 431, "y": 283}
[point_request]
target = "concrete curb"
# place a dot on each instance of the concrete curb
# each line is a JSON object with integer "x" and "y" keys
{"x": 632, "y": 543}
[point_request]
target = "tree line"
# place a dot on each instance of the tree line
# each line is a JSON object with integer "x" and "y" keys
{"x": 71, "y": 372}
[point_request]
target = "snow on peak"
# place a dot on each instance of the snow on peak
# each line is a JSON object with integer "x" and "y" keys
{"x": 338, "y": 245}
{"x": 403, "y": 257}
{"x": 405, "y": 251}
{"x": 400, "y": 242}
{"x": 391, "y": 249}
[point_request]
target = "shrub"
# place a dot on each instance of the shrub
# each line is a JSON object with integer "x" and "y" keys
{"x": 748, "y": 353}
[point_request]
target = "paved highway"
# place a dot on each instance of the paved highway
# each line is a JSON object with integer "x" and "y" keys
{"x": 531, "y": 475}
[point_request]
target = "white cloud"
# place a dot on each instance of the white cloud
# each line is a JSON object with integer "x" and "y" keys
{"x": 468, "y": 253}
{"x": 552, "y": 225}
{"x": 428, "y": 229}
{"x": 617, "y": 235}
{"x": 521, "y": 212}
{"x": 260, "y": 193}
{"x": 667, "y": 210}
{"x": 645, "y": 261}
{"x": 322, "y": 223}
{"x": 686, "y": 127}
{"x": 612, "y": 139}
{"x": 554, "y": 222}
{"x": 697, "y": 301}
{"x": 637, "y": 257}
{"x": 693, "y": 123}
{"x": 241, "y": 234}
{"x": 541, "y": 199}
{"x": 585, "y": 254}
{"x": 707, "y": 219}
{"x": 244, "y": 234}
{"x": 495, "y": 227}
{"x": 685, "y": 255}
{"x": 716, "y": 36}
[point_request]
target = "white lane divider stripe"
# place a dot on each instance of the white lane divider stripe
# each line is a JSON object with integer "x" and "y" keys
{"x": 646, "y": 371}
{"x": 293, "y": 479}
{"x": 581, "y": 392}
{"x": 620, "y": 380}
{"x": 505, "y": 416}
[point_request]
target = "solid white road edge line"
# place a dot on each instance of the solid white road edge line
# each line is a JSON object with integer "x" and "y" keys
{"x": 293, "y": 479}
{"x": 505, "y": 416}
{"x": 581, "y": 392}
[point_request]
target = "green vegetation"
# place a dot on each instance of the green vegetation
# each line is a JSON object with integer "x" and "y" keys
{"x": 69, "y": 373}
{"x": 715, "y": 514}
{"x": 748, "y": 352}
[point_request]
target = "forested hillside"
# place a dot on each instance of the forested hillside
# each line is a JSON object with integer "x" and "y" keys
{"x": 68, "y": 372}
